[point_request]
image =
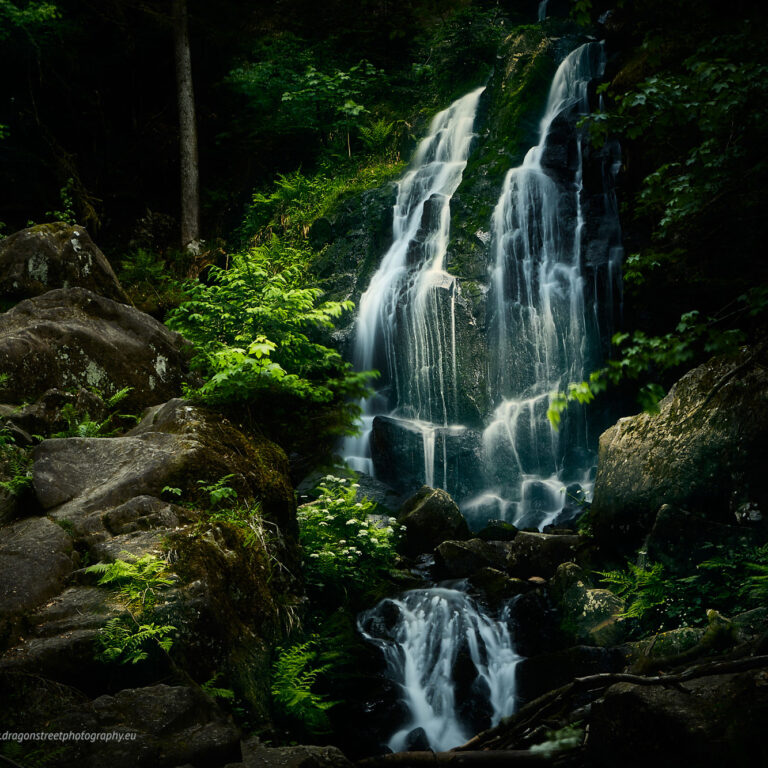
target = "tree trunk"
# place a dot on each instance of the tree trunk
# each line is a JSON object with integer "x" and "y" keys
{"x": 190, "y": 184}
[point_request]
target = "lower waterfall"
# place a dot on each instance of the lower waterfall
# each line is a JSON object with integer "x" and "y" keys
{"x": 454, "y": 664}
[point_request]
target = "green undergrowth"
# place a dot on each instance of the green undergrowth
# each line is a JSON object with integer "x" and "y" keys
{"x": 133, "y": 636}
{"x": 298, "y": 198}
{"x": 348, "y": 554}
{"x": 261, "y": 338}
{"x": 15, "y": 465}
{"x": 347, "y": 549}
{"x": 730, "y": 581}
{"x": 646, "y": 359}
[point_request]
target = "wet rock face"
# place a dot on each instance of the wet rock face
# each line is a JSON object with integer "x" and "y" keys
{"x": 354, "y": 238}
{"x": 702, "y": 452}
{"x": 72, "y": 337}
{"x": 47, "y": 256}
{"x": 397, "y": 448}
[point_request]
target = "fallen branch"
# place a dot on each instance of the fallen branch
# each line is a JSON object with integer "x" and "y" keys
{"x": 510, "y": 730}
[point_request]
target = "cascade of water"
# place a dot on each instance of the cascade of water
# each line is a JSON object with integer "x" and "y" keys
{"x": 543, "y": 9}
{"x": 553, "y": 286}
{"x": 545, "y": 333}
{"x": 422, "y": 634}
{"x": 405, "y": 326}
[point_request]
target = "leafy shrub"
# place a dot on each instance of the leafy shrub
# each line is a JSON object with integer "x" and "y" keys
{"x": 346, "y": 551}
{"x": 257, "y": 334}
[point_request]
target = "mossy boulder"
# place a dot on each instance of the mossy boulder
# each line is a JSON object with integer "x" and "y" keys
{"x": 539, "y": 554}
{"x": 176, "y": 445}
{"x": 701, "y": 452}
{"x": 430, "y": 517}
{"x": 233, "y": 591}
{"x": 47, "y": 256}
{"x": 589, "y": 616}
{"x": 72, "y": 338}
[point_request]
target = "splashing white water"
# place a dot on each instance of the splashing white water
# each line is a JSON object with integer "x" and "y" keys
{"x": 545, "y": 333}
{"x": 421, "y": 643}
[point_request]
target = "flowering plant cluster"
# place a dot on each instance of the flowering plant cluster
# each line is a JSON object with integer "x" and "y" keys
{"x": 347, "y": 548}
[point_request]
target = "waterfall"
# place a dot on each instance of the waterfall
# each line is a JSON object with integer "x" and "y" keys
{"x": 406, "y": 326}
{"x": 455, "y": 666}
{"x": 545, "y": 333}
{"x": 543, "y": 9}
{"x": 553, "y": 284}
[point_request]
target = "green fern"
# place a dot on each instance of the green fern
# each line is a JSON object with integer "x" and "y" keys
{"x": 137, "y": 582}
{"x": 127, "y": 641}
{"x": 294, "y": 674}
{"x": 645, "y": 589}
{"x": 226, "y": 694}
{"x": 15, "y": 465}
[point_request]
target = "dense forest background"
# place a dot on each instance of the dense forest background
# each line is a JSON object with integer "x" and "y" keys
{"x": 89, "y": 118}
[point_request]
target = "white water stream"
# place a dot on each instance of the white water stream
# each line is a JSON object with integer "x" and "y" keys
{"x": 401, "y": 327}
{"x": 421, "y": 647}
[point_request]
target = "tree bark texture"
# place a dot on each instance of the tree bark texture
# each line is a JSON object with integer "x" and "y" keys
{"x": 190, "y": 183}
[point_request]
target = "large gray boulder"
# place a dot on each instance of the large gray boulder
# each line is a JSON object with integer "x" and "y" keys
{"x": 47, "y": 256}
{"x": 72, "y": 338}
{"x": 702, "y": 452}
{"x": 36, "y": 557}
{"x": 153, "y": 726}
{"x": 83, "y": 480}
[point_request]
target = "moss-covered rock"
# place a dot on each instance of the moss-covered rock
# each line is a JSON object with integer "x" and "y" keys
{"x": 73, "y": 338}
{"x": 430, "y": 517}
{"x": 58, "y": 255}
{"x": 588, "y": 616}
{"x": 702, "y": 452}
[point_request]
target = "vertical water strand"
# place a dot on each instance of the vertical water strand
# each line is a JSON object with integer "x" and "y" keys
{"x": 422, "y": 634}
{"x": 543, "y": 330}
{"x": 402, "y": 328}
